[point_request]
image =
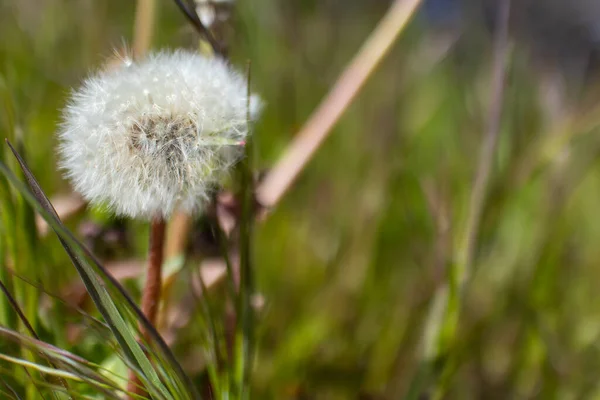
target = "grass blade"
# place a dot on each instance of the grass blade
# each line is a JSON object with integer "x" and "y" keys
{"x": 92, "y": 273}
{"x": 26, "y": 322}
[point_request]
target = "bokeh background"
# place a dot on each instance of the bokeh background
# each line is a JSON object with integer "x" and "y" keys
{"x": 350, "y": 261}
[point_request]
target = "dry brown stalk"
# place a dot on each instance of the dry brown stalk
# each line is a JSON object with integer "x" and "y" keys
{"x": 144, "y": 23}
{"x": 316, "y": 129}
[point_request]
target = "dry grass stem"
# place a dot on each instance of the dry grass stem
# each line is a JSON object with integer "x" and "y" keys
{"x": 489, "y": 145}
{"x": 310, "y": 137}
{"x": 144, "y": 22}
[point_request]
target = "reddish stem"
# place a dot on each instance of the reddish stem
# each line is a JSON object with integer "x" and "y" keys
{"x": 152, "y": 288}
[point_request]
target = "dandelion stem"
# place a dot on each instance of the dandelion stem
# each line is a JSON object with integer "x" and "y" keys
{"x": 152, "y": 288}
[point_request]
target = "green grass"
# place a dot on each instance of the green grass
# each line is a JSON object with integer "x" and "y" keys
{"x": 350, "y": 261}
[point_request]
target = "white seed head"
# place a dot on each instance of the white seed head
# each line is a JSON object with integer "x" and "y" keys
{"x": 148, "y": 136}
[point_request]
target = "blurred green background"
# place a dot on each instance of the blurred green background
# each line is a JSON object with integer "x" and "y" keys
{"x": 351, "y": 259}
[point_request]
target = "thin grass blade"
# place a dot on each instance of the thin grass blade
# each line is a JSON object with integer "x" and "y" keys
{"x": 93, "y": 273}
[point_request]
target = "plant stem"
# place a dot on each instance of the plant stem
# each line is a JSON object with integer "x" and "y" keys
{"x": 347, "y": 87}
{"x": 144, "y": 21}
{"x": 443, "y": 320}
{"x": 489, "y": 145}
{"x": 245, "y": 330}
{"x": 152, "y": 288}
{"x": 193, "y": 18}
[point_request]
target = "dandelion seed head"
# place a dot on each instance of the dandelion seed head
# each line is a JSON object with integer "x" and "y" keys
{"x": 149, "y": 136}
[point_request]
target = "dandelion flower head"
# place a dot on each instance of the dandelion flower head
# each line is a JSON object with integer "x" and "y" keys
{"x": 148, "y": 136}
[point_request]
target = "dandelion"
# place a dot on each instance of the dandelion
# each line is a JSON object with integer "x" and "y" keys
{"x": 146, "y": 137}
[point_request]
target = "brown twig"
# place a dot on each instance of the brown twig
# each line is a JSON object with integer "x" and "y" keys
{"x": 310, "y": 137}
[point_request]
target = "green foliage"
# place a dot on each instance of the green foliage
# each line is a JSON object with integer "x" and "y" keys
{"x": 350, "y": 262}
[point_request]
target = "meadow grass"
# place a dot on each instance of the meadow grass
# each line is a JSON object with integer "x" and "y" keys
{"x": 350, "y": 262}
